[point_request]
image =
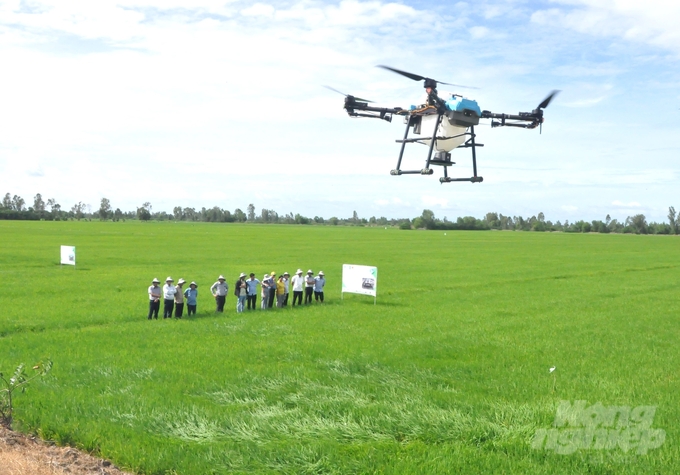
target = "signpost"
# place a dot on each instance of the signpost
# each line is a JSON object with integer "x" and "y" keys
{"x": 358, "y": 279}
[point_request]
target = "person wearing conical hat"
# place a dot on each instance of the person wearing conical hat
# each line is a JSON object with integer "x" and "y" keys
{"x": 219, "y": 290}
{"x": 154, "y": 299}
{"x": 179, "y": 298}
{"x": 169, "y": 292}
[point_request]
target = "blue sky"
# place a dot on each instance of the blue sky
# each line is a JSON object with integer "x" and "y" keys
{"x": 209, "y": 102}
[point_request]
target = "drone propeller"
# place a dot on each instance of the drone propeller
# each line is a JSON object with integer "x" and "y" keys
{"x": 348, "y": 95}
{"x": 547, "y": 100}
{"x": 417, "y": 77}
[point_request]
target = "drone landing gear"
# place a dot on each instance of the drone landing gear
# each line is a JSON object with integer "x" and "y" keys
{"x": 440, "y": 158}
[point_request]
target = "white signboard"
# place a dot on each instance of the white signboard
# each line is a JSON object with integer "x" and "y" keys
{"x": 68, "y": 255}
{"x": 360, "y": 279}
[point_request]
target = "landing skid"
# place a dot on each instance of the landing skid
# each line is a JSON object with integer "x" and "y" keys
{"x": 441, "y": 158}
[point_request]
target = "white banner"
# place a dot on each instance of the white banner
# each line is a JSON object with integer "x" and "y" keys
{"x": 360, "y": 279}
{"x": 68, "y": 255}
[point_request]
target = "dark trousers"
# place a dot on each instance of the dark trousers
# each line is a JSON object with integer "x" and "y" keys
{"x": 251, "y": 300}
{"x": 308, "y": 294}
{"x": 272, "y": 296}
{"x": 153, "y": 308}
{"x": 219, "y": 300}
{"x": 168, "y": 306}
{"x": 179, "y": 310}
{"x": 318, "y": 296}
{"x": 297, "y": 297}
{"x": 285, "y": 299}
{"x": 191, "y": 310}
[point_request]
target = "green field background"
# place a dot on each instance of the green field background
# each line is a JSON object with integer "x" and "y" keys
{"x": 448, "y": 373}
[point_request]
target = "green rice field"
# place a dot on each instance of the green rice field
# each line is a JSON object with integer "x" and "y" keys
{"x": 447, "y": 373}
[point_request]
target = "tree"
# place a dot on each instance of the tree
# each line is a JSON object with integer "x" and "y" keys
{"x": 143, "y": 213}
{"x": 427, "y": 219}
{"x": 78, "y": 210}
{"x": 251, "y": 212}
{"x": 7, "y": 201}
{"x": 104, "y": 209}
{"x": 239, "y": 216}
{"x": 177, "y": 213}
{"x": 117, "y": 215}
{"x": 38, "y": 203}
{"x": 638, "y": 223}
{"x": 672, "y": 220}
{"x": 18, "y": 203}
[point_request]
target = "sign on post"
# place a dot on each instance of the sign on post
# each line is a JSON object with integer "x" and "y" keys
{"x": 360, "y": 280}
{"x": 68, "y": 255}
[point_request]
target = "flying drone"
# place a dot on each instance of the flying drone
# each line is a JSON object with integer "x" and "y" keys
{"x": 442, "y": 125}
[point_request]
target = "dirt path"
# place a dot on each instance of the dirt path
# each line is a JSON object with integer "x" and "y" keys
{"x": 21, "y": 455}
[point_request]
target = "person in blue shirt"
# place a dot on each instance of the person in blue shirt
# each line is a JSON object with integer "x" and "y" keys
{"x": 191, "y": 295}
{"x": 319, "y": 283}
{"x": 251, "y": 298}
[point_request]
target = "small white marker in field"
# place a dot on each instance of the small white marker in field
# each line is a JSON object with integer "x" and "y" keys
{"x": 552, "y": 369}
{"x": 444, "y": 234}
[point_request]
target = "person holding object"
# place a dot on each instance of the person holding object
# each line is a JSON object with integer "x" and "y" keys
{"x": 154, "y": 299}
{"x": 179, "y": 298}
{"x": 219, "y": 290}
{"x": 319, "y": 283}
{"x": 309, "y": 286}
{"x": 169, "y": 292}
{"x": 252, "y": 291}
{"x": 192, "y": 295}
{"x": 297, "y": 281}
{"x": 241, "y": 292}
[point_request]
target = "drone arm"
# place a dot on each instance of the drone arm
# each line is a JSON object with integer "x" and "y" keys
{"x": 533, "y": 119}
{"x": 365, "y": 110}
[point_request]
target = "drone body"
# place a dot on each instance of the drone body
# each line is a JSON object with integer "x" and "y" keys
{"x": 442, "y": 125}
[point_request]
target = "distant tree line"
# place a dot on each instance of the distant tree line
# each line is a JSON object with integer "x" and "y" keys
{"x": 15, "y": 207}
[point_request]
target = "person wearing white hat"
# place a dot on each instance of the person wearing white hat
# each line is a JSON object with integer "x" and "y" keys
{"x": 252, "y": 291}
{"x": 219, "y": 290}
{"x": 264, "y": 293}
{"x": 272, "y": 290}
{"x": 319, "y": 283}
{"x": 309, "y": 286}
{"x": 241, "y": 292}
{"x": 192, "y": 295}
{"x": 169, "y": 292}
{"x": 286, "y": 283}
{"x": 179, "y": 298}
{"x": 297, "y": 281}
{"x": 154, "y": 299}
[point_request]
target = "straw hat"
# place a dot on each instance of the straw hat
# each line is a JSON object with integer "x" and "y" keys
{"x": 155, "y": 281}
{"x": 193, "y": 283}
{"x": 169, "y": 279}
{"x": 181, "y": 281}
{"x": 242, "y": 275}
{"x": 221, "y": 278}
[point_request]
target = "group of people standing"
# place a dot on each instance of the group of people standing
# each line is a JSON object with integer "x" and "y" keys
{"x": 173, "y": 298}
{"x": 273, "y": 291}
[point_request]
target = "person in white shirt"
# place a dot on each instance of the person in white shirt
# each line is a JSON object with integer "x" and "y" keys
{"x": 169, "y": 292}
{"x": 219, "y": 290}
{"x": 286, "y": 283}
{"x": 252, "y": 291}
{"x": 154, "y": 299}
{"x": 297, "y": 281}
{"x": 309, "y": 286}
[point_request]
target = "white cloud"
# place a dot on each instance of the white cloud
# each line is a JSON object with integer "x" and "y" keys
{"x": 435, "y": 201}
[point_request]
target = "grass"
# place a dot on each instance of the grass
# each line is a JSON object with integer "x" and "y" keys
{"x": 448, "y": 373}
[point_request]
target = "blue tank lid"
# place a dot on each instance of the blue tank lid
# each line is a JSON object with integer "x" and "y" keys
{"x": 459, "y": 104}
